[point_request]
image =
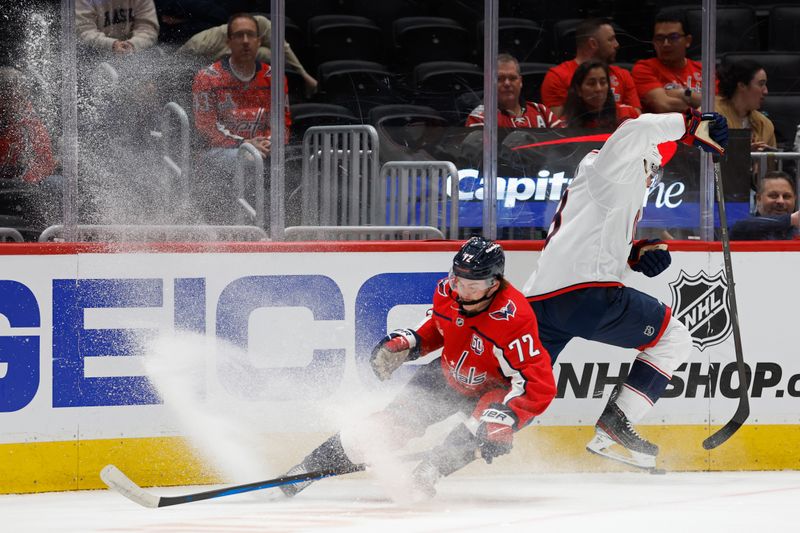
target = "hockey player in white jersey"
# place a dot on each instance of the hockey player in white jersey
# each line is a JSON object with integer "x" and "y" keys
{"x": 577, "y": 289}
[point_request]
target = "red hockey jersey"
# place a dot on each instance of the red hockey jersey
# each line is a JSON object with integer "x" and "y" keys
{"x": 495, "y": 355}
{"x": 534, "y": 115}
{"x": 228, "y": 110}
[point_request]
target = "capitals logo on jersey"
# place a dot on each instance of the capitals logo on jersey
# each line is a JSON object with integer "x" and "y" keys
{"x": 471, "y": 378}
{"x": 506, "y": 313}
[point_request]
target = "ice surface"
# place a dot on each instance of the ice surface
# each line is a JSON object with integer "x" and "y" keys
{"x": 725, "y": 502}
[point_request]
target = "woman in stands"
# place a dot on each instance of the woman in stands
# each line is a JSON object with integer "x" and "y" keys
{"x": 590, "y": 102}
{"x": 742, "y": 88}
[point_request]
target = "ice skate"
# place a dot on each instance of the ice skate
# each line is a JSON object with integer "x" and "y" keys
{"x": 616, "y": 439}
{"x": 424, "y": 479}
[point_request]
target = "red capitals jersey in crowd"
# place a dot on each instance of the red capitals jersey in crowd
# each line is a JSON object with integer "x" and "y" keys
{"x": 228, "y": 110}
{"x": 649, "y": 74}
{"x": 25, "y": 149}
{"x": 495, "y": 355}
{"x": 556, "y": 83}
{"x": 534, "y": 115}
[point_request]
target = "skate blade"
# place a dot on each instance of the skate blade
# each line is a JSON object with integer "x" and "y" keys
{"x": 605, "y": 446}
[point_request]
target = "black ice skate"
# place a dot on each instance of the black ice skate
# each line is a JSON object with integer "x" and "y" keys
{"x": 616, "y": 439}
{"x": 329, "y": 459}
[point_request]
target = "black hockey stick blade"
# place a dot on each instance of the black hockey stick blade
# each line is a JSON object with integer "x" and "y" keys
{"x": 116, "y": 480}
{"x": 727, "y": 431}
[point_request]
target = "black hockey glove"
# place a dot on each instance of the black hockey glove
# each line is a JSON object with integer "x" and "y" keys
{"x": 650, "y": 257}
{"x": 707, "y": 131}
{"x": 397, "y": 347}
{"x": 496, "y": 432}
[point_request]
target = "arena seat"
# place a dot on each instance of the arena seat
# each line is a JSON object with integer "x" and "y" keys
{"x": 301, "y": 11}
{"x": 385, "y": 12}
{"x": 356, "y": 85}
{"x": 532, "y": 77}
{"x": 737, "y": 29}
{"x": 438, "y": 84}
{"x": 404, "y": 130}
{"x": 311, "y": 114}
{"x": 784, "y": 28}
{"x": 333, "y": 37}
{"x": 784, "y": 112}
{"x": 420, "y": 39}
{"x": 522, "y": 38}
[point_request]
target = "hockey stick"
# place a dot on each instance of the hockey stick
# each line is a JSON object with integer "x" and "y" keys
{"x": 116, "y": 480}
{"x": 743, "y": 410}
{"x": 119, "y": 482}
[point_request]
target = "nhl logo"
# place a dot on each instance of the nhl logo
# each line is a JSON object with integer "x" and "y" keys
{"x": 459, "y": 321}
{"x": 701, "y": 303}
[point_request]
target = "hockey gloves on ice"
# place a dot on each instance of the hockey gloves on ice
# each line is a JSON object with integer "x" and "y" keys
{"x": 650, "y": 257}
{"x": 496, "y": 432}
{"x": 707, "y": 131}
{"x": 394, "y": 349}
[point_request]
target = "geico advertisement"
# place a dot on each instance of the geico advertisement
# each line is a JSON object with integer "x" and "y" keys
{"x": 301, "y": 327}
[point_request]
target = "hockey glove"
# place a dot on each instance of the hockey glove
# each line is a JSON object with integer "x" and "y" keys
{"x": 496, "y": 432}
{"x": 650, "y": 257}
{"x": 394, "y": 349}
{"x": 707, "y": 131}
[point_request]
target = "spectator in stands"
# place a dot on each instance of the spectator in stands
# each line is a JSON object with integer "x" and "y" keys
{"x": 670, "y": 81}
{"x": 232, "y": 99}
{"x": 25, "y": 151}
{"x": 776, "y": 215}
{"x": 121, "y": 27}
{"x": 590, "y": 101}
{"x": 512, "y": 112}
{"x": 742, "y": 89}
{"x": 26, "y": 156}
{"x": 594, "y": 39}
{"x": 212, "y": 44}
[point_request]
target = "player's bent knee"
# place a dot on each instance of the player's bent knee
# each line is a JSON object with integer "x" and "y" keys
{"x": 673, "y": 348}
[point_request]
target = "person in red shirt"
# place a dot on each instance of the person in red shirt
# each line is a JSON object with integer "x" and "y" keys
{"x": 25, "y": 150}
{"x": 511, "y": 111}
{"x": 232, "y": 100}
{"x": 670, "y": 81}
{"x": 492, "y": 368}
{"x": 590, "y": 102}
{"x": 594, "y": 39}
{"x": 232, "y": 96}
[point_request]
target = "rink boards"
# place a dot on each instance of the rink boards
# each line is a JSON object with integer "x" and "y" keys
{"x": 276, "y": 337}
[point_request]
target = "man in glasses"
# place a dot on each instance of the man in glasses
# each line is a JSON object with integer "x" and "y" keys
{"x": 232, "y": 100}
{"x": 670, "y": 81}
{"x": 492, "y": 369}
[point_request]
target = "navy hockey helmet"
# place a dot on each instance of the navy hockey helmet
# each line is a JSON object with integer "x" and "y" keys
{"x": 479, "y": 258}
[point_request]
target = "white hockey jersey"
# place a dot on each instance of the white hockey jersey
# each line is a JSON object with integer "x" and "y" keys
{"x": 590, "y": 238}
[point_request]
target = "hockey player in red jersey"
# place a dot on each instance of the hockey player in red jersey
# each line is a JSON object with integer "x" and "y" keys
{"x": 577, "y": 289}
{"x": 492, "y": 369}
